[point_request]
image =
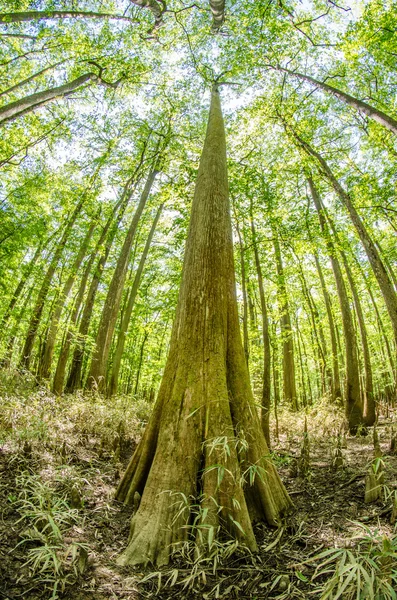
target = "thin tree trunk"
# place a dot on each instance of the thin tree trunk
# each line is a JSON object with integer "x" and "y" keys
{"x": 31, "y": 77}
{"x": 125, "y": 320}
{"x": 244, "y": 290}
{"x": 49, "y": 344}
{"x": 369, "y": 401}
{"x": 45, "y": 286}
{"x": 45, "y": 15}
{"x": 20, "y": 287}
{"x": 302, "y": 370}
{"x": 372, "y": 112}
{"x": 205, "y": 397}
{"x": 97, "y": 373}
{"x": 266, "y": 386}
{"x": 16, "y": 109}
{"x": 286, "y": 330}
{"x": 140, "y": 361}
{"x": 336, "y": 386}
{"x": 380, "y": 272}
{"x": 75, "y": 374}
{"x": 353, "y": 403}
{"x": 276, "y": 376}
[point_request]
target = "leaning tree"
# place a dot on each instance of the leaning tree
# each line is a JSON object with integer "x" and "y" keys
{"x": 202, "y": 466}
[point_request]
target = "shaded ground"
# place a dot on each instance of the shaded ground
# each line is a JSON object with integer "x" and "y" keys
{"x": 61, "y": 530}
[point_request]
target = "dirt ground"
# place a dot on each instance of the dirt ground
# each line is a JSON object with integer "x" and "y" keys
{"x": 79, "y": 467}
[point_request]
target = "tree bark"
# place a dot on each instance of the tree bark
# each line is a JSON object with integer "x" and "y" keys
{"x": 266, "y": 386}
{"x": 218, "y": 14}
{"x": 97, "y": 373}
{"x": 30, "y": 78}
{"x": 336, "y": 386}
{"x": 75, "y": 373}
{"x": 380, "y": 272}
{"x": 190, "y": 459}
{"x": 42, "y": 295}
{"x": 244, "y": 290}
{"x": 286, "y": 330}
{"x": 16, "y": 109}
{"x": 45, "y": 15}
{"x": 126, "y": 317}
{"x": 369, "y": 400}
{"x": 372, "y": 112}
{"x": 44, "y": 370}
{"x": 353, "y": 401}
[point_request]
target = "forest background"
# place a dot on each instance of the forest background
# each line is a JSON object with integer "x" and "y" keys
{"x": 102, "y": 126}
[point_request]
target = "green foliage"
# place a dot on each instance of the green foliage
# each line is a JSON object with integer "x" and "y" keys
{"x": 368, "y": 571}
{"x": 48, "y": 518}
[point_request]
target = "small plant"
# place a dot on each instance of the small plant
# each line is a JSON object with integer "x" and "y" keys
{"x": 366, "y": 573}
{"x": 51, "y": 561}
{"x": 374, "y": 480}
{"x": 338, "y": 460}
{"x": 304, "y": 458}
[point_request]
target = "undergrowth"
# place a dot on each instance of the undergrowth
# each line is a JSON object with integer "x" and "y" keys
{"x": 62, "y": 453}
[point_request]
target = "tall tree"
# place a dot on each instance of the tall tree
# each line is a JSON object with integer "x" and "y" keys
{"x": 190, "y": 449}
{"x": 97, "y": 373}
{"x": 129, "y": 305}
{"x": 353, "y": 399}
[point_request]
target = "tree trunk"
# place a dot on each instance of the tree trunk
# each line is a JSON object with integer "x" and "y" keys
{"x": 336, "y": 386}
{"x": 125, "y": 320}
{"x": 286, "y": 330}
{"x": 19, "y": 288}
{"x": 75, "y": 374}
{"x": 45, "y": 15}
{"x": 369, "y": 400}
{"x": 353, "y": 403}
{"x": 191, "y": 459}
{"x": 244, "y": 290}
{"x": 367, "y": 109}
{"x": 138, "y": 372}
{"x": 380, "y": 272}
{"x": 218, "y": 13}
{"x": 97, "y": 373}
{"x": 265, "y": 412}
{"x": 45, "y": 286}
{"x": 49, "y": 344}
{"x": 31, "y": 77}
{"x": 16, "y": 109}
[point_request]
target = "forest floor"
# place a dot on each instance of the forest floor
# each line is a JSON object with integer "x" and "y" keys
{"x": 61, "y": 530}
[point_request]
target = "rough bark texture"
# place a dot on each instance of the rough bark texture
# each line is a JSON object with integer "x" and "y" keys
{"x": 353, "y": 402}
{"x": 204, "y": 433}
{"x": 372, "y": 112}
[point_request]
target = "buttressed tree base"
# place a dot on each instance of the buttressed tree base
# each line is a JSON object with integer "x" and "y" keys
{"x": 202, "y": 466}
